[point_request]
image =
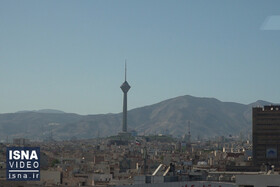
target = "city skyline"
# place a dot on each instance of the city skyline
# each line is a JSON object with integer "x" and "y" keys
{"x": 69, "y": 55}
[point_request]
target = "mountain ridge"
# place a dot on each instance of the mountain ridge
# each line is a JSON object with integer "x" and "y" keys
{"x": 49, "y": 111}
{"x": 207, "y": 117}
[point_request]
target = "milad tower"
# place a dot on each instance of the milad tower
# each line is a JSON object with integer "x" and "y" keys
{"x": 125, "y": 88}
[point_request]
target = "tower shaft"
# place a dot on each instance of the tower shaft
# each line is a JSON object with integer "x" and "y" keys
{"x": 124, "y": 125}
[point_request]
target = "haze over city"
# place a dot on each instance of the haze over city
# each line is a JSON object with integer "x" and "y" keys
{"x": 69, "y": 55}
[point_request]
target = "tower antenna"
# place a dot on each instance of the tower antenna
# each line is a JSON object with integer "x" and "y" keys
{"x": 125, "y": 71}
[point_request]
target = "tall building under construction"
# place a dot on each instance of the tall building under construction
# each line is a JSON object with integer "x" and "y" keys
{"x": 266, "y": 135}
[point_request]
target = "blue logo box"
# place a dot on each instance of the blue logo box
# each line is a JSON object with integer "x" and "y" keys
{"x": 23, "y": 163}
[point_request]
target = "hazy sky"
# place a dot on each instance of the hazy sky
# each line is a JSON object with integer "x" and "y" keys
{"x": 69, "y": 55}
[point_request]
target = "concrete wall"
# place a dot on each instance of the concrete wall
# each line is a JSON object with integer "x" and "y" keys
{"x": 258, "y": 180}
{"x": 102, "y": 177}
{"x": 185, "y": 184}
{"x": 50, "y": 177}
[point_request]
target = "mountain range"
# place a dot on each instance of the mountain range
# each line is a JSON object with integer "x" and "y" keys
{"x": 207, "y": 117}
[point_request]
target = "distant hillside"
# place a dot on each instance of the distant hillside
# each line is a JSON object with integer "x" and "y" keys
{"x": 208, "y": 117}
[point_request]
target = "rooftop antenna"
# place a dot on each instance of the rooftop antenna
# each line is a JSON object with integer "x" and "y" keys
{"x": 189, "y": 132}
{"x": 189, "y": 129}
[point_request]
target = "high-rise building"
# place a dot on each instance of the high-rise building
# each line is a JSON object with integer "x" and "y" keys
{"x": 266, "y": 135}
{"x": 187, "y": 139}
{"x": 125, "y": 88}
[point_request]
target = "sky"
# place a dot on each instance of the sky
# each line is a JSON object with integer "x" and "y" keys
{"x": 69, "y": 55}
